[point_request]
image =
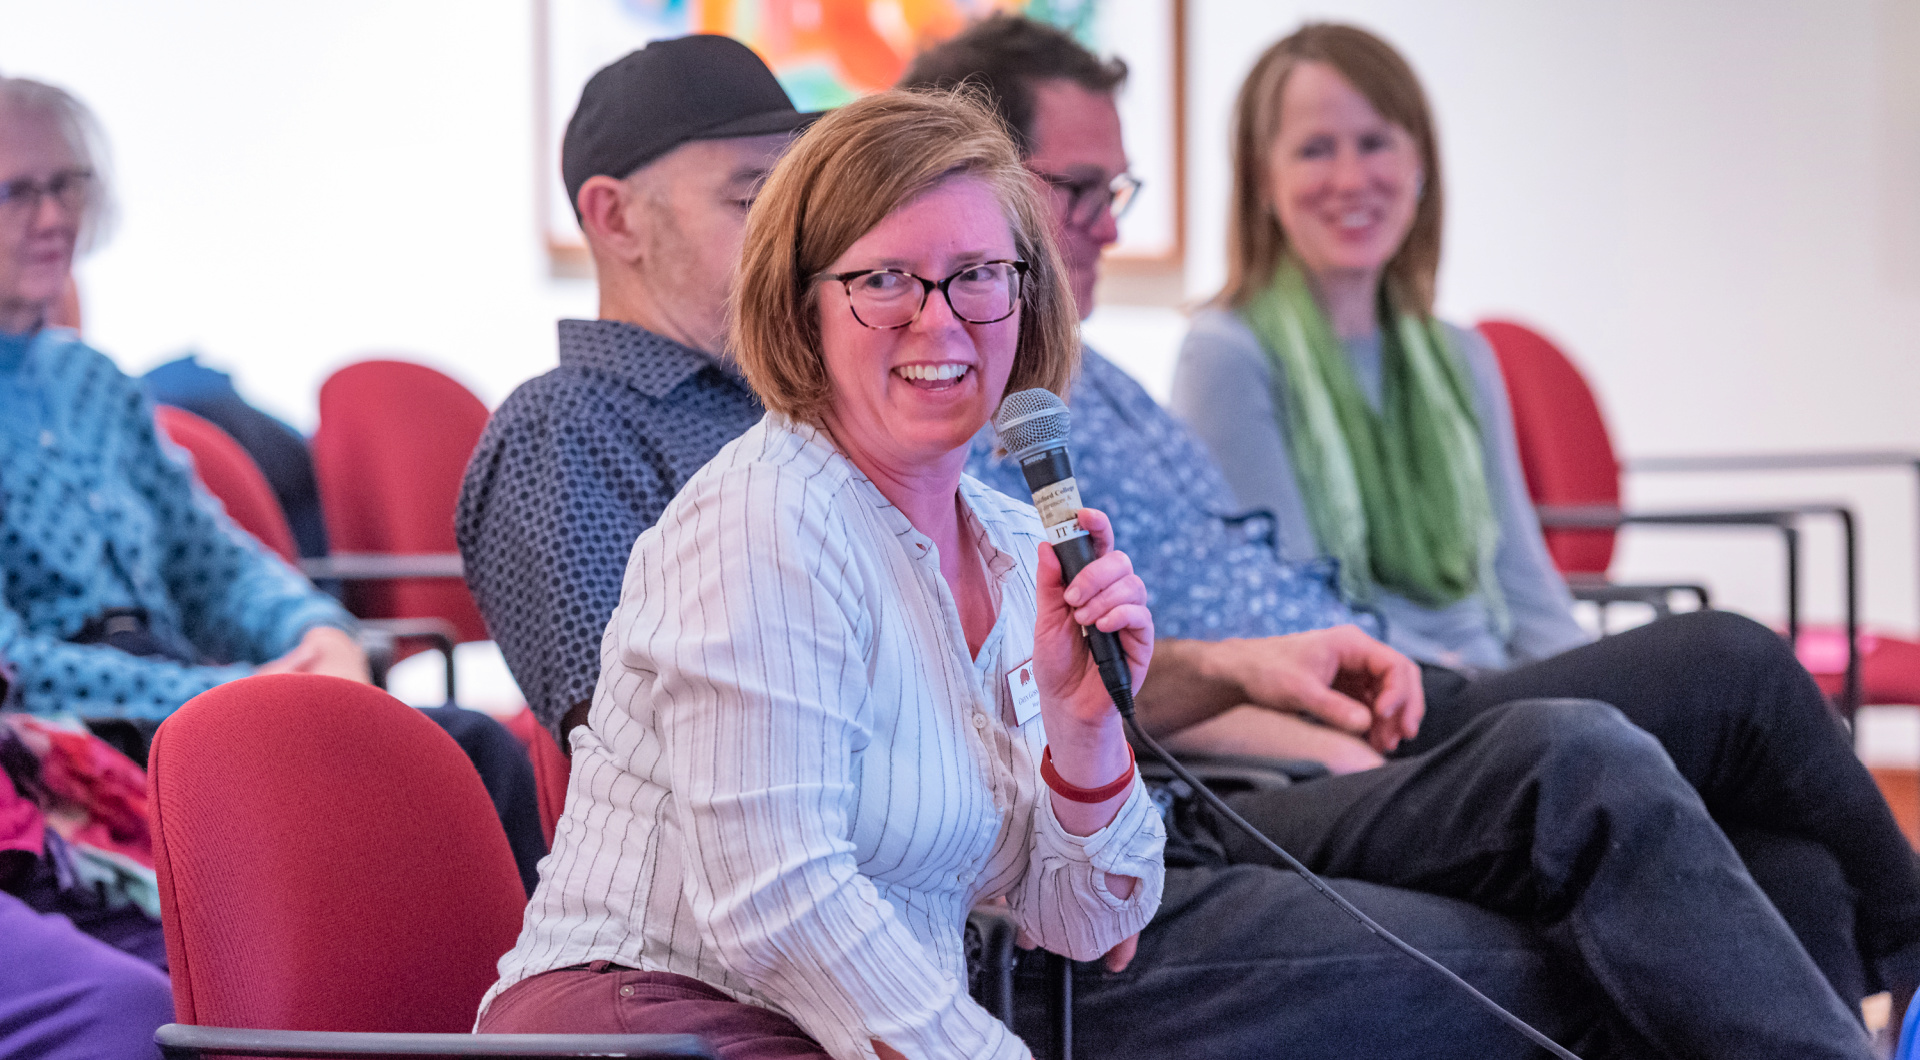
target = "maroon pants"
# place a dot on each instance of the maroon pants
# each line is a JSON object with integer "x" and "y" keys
{"x": 604, "y": 998}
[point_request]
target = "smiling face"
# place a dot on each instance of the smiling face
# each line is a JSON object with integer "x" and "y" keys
{"x": 1344, "y": 181}
{"x": 909, "y": 399}
{"x": 37, "y": 238}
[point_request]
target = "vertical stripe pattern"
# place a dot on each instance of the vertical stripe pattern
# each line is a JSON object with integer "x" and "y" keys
{"x": 796, "y": 780}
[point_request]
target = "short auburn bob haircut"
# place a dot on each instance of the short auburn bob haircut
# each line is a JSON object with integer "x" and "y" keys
{"x": 1255, "y": 241}
{"x": 843, "y": 176}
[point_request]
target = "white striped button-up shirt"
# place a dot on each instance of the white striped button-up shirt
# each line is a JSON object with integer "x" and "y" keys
{"x": 795, "y": 779}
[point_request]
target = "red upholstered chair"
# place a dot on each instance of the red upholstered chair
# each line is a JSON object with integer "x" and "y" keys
{"x": 551, "y": 767}
{"x": 1574, "y": 479}
{"x": 229, "y": 473}
{"x": 328, "y": 861}
{"x": 390, "y": 451}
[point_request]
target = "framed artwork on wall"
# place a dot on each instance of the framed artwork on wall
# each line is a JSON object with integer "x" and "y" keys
{"x": 827, "y": 52}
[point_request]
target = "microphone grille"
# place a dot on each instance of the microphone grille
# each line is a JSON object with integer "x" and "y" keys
{"x": 1032, "y": 420}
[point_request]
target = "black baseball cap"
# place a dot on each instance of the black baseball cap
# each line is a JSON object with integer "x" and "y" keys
{"x": 671, "y": 92}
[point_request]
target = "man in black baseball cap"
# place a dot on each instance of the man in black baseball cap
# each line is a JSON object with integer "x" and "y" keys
{"x": 664, "y": 154}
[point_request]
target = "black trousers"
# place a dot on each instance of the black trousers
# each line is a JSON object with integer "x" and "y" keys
{"x": 1555, "y": 854}
{"x": 1745, "y": 724}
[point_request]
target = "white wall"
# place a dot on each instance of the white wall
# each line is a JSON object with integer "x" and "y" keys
{"x": 305, "y": 183}
{"x": 1712, "y": 204}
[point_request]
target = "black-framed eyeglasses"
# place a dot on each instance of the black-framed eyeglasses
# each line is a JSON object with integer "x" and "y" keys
{"x": 68, "y": 188}
{"x": 1086, "y": 197}
{"x": 983, "y": 293}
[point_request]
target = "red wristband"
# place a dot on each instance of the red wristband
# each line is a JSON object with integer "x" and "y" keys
{"x": 1088, "y": 795}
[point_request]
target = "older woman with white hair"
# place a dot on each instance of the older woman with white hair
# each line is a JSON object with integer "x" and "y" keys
{"x": 127, "y": 591}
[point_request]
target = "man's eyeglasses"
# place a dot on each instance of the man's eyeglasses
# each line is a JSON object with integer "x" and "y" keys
{"x": 21, "y": 198}
{"x": 893, "y": 298}
{"x": 1087, "y": 197}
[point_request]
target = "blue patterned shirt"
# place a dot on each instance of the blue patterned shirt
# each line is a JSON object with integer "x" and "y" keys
{"x": 95, "y": 515}
{"x": 572, "y": 467}
{"x": 1211, "y": 573}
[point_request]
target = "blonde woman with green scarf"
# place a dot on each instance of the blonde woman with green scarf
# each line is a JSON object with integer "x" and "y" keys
{"x": 1381, "y": 437}
{"x": 1329, "y": 393}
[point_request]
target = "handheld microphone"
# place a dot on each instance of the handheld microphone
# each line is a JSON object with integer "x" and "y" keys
{"x": 1033, "y": 426}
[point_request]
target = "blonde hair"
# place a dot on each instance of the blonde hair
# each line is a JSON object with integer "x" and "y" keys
{"x": 1255, "y": 240}
{"x": 841, "y": 179}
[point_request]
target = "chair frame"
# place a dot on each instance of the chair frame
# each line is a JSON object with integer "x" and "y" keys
{"x": 178, "y": 1041}
{"x": 1782, "y": 518}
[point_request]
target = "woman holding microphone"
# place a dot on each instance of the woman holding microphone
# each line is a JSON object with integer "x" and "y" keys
{"x": 844, "y": 697}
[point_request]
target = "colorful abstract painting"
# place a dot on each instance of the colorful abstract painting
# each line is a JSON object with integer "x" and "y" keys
{"x": 828, "y": 52}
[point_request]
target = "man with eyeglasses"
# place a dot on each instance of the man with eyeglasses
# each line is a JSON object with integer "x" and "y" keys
{"x": 664, "y": 154}
{"x": 1260, "y": 656}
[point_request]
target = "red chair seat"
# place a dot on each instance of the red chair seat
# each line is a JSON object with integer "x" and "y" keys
{"x": 1889, "y": 666}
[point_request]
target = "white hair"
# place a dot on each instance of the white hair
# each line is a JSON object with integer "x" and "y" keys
{"x": 82, "y": 132}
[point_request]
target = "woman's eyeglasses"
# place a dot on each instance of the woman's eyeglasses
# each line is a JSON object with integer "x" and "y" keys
{"x": 21, "y": 198}
{"x": 1087, "y": 197}
{"x": 984, "y": 293}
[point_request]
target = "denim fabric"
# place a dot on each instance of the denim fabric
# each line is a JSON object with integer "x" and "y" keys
{"x": 1211, "y": 570}
{"x": 1745, "y": 726}
{"x": 1566, "y": 817}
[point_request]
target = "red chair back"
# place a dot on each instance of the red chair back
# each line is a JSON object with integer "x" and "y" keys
{"x": 1564, "y": 448}
{"x": 327, "y": 860}
{"x": 230, "y": 474}
{"x": 391, "y": 449}
{"x": 551, "y": 767}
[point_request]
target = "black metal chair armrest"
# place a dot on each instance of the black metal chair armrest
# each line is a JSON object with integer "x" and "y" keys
{"x": 1608, "y": 517}
{"x": 1782, "y": 517}
{"x": 1831, "y": 460}
{"x": 1653, "y": 594}
{"x": 1225, "y": 773}
{"x": 178, "y": 1041}
{"x": 380, "y": 637}
{"x": 383, "y": 566}
{"x": 990, "y": 957}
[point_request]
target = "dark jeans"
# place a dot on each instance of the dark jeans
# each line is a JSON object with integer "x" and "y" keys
{"x": 1752, "y": 733}
{"x": 1246, "y": 963}
{"x": 1590, "y": 892}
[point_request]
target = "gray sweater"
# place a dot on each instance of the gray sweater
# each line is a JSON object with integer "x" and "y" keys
{"x": 1223, "y": 387}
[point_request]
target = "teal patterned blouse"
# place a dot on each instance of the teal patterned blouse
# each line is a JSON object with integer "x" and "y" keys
{"x": 95, "y": 515}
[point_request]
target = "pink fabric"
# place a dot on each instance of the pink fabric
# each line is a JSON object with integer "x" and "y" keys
{"x": 101, "y": 793}
{"x": 620, "y": 1000}
{"x": 22, "y": 826}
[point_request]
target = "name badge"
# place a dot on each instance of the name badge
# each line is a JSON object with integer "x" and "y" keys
{"x": 1025, "y": 692}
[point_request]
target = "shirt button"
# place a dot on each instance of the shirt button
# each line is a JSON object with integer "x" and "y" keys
{"x": 979, "y": 721}
{"x": 626, "y": 991}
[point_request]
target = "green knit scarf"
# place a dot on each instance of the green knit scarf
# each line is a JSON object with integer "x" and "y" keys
{"x": 1399, "y": 497}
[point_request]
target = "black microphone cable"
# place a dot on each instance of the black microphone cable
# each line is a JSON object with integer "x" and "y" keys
{"x": 1123, "y": 702}
{"x": 1032, "y": 426}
